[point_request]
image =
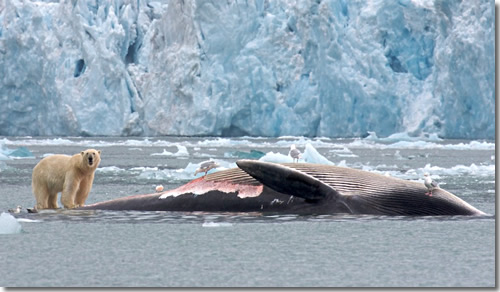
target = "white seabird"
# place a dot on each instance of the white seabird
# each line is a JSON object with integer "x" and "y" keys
{"x": 206, "y": 166}
{"x": 294, "y": 153}
{"x": 429, "y": 183}
{"x": 15, "y": 210}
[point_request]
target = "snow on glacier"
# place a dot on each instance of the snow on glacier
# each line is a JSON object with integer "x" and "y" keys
{"x": 261, "y": 68}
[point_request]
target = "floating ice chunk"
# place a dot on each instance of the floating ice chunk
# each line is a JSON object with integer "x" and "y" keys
{"x": 398, "y": 155}
{"x": 402, "y": 136}
{"x": 417, "y": 173}
{"x": 256, "y": 143}
{"x": 4, "y": 157}
{"x": 224, "y": 142}
{"x": 370, "y": 144}
{"x": 311, "y": 155}
{"x": 110, "y": 169}
{"x": 372, "y": 136}
{"x": 276, "y": 158}
{"x": 287, "y": 141}
{"x": 46, "y": 142}
{"x": 204, "y": 155}
{"x": 216, "y": 224}
{"x": 21, "y": 152}
{"x": 457, "y": 170}
{"x": 181, "y": 174}
{"x": 181, "y": 152}
{"x": 17, "y": 153}
{"x": 476, "y": 145}
{"x": 135, "y": 149}
{"x": 26, "y": 220}
{"x": 347, "y": 155}
{"x": 253, "y": 154}
{"x": 191, "y": 168}
{"x": 434, "y": 137}
{"x": 341, "y": 149}
{"x": 151, "y": 172}
{"x": 9, "y": 224}
{"x": 342, "y": 163}
{"x": 164, "y": 153}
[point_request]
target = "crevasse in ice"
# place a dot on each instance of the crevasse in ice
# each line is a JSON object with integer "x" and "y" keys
{"x": 263, "y": 68}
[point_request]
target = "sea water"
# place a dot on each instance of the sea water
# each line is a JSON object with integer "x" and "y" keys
{"x": 196, "y": 249}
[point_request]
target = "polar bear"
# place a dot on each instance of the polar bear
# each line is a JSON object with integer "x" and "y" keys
{"x": 71, "y": 175}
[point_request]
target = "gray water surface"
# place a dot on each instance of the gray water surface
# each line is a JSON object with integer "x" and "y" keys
{"x": 174, "y": 249}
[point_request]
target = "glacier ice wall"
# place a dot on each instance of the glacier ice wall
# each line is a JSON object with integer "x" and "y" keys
{"x": 264, "y": 68}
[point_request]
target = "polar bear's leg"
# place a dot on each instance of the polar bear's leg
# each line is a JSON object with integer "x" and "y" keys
{"x": 83, "y": 192}
{"x": 41, "y": 193}
{"x": 69, "y": 192}
{"x": 42, "y": 198}
{"x": 52, "y": 200}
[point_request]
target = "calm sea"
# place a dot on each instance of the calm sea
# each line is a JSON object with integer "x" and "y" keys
{"x": 172, "y": 249}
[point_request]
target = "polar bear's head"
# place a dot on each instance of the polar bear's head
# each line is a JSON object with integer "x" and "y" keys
{"x": 91, "y": 157}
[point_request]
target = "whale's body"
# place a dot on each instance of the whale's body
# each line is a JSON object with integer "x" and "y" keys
{"x": 298, "y": 188}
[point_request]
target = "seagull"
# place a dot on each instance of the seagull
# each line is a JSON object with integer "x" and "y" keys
{"x": 15, "y": 210}
{"x": 206, "y": 166}
{"x": 429, "y": 183}
{"x": 294, "y": 153}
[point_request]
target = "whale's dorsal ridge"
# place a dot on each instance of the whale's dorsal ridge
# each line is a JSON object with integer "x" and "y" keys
{"x": 287, "y": 180}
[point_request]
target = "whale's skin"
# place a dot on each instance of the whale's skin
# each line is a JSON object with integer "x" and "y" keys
{"x": 298, "y": 188}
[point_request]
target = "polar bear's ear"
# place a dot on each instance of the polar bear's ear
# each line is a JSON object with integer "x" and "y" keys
{"x": 99, "y": 151}
{"x": 82, "y": 153}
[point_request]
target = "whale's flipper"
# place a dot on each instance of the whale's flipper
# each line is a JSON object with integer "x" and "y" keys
{"x": 287, "y": 180}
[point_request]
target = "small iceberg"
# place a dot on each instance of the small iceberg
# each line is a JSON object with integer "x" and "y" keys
{"x": 181, "y": 152}
{"x": 21, "y": 152}
{"x": 310, "y": 155}
{"x": 276, "y": 158}
{"x": 9, "y": 224}
{"x": 18, "y": 153}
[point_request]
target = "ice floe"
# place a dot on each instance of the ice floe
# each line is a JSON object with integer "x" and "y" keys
{"x": 9, "y": 224}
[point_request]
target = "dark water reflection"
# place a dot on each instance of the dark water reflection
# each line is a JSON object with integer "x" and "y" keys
{"x": 104, "y": 216}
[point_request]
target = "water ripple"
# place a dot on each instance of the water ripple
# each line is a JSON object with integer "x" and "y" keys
{"x": 139, "y": 217}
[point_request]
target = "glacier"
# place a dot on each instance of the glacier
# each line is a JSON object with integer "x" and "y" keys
{"x": 309, "y": 68}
